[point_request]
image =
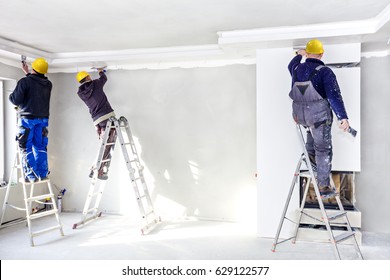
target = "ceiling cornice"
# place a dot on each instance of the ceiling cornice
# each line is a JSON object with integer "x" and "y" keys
{"x": 238, "y": 46}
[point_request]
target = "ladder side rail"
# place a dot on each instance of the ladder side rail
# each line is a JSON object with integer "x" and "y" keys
{"x": 129, "y": 134}
{"x": 286, "y": 206}
{"x": 303, "y": 202}
{"x": 28, "y": 213}
{"x": 130, "y": 167}
{"x": 55, "y": 207}
{"x": 93, "y": 185}
{"x": 103, "y": 145}
{"x": 5, "y": 203}
{"x": 317, "y": 191}
{"x": 138, "y": 163}
{"x": 98, "y": 198}
{"x": 146, "y": 191}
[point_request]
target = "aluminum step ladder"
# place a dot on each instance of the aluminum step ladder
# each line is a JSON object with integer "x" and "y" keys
{"x": 119, "y": 129}
{"x": 47, "y": 199}
{"x": 327, "y": 219}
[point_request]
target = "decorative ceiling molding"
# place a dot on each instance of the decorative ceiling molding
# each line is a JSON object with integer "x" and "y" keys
{"x": 334, "y": 29}
{"x": 233, "y": 46}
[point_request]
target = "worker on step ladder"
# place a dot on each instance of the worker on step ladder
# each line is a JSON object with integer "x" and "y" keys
{"x": 32, "y": 97}
{"x": 315, "y": 93}
{"x": 110, "y": 128}
{"x": 91, "y": 92}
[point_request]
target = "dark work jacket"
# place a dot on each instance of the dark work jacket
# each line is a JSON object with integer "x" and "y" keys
{"x": 94, "y": 97}
{"x": 32, "y": 96}
{"x": 324, "y": 82}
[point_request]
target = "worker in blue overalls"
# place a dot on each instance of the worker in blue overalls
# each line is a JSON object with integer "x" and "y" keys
{"x": 32, "y": 97}
{"x": 315, "y": 93}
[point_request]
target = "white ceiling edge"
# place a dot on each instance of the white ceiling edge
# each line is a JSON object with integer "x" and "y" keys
{"x": 233, "y": 46}
{"x": 334, "y": 29}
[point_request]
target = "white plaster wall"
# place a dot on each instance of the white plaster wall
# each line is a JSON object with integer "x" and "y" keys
{"x": 195, "y": 130}
{"x": 373, "y": 182}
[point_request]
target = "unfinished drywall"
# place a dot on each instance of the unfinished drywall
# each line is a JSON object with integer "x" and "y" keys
{"x": 195, "y": 130}
{"x": 372, "y": 184}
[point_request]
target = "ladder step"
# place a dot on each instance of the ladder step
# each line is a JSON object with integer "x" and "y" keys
{"x": 336, "y": 215}
{"x": 39, "y": 232}
{"x": 21, "y": 180}
{"x": 149, "y": 213}
{"x": 43, "y": 214}
{"x": 305, "y": 174}
{"x": 40, "y": 197}
{"x": 105, "y": 160}
{"x": 343, "y": 236}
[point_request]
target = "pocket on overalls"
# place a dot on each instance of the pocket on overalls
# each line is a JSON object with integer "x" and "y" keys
{"x": 22, "y": 136}
{"x": 45, "y": 139}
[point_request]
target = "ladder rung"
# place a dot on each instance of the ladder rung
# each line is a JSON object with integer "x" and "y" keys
{"x": 336, "y": 215}
{"x": 149, "y": 213}
{"x": 35, "y": 183}
{"x": 110, "y": 143}
{"x": 305, "y": 174}
{"x": 43, "y": 214}
{"x": 40, "y": 197}
{"x": 105, "y": 160}
{"x": 343, "y": 236}
{"x": 36, "y": 233}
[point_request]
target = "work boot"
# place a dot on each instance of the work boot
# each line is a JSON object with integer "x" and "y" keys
{"x": 326, "y": 192}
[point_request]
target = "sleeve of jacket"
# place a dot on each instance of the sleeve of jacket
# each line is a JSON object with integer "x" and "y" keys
{"x": 294, "y": 63}
{"x": 333, "y": 94}
{"x": 18, "y": 95}
{"x": 102, "y": 78}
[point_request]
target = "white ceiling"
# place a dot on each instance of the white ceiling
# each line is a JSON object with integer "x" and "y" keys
{"x": 133, "y": 33}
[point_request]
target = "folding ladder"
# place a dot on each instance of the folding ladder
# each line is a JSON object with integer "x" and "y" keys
{"x": 327, "y": 219}
{"x": 47, "y": 199}
{"x": 121, "y": 130}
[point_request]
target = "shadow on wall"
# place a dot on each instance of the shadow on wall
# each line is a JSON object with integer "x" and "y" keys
{"x": 195, "y": 130}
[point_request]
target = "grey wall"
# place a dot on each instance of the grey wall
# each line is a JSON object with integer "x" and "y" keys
{"x": 373, "y": 183}
{"x": 196, "y": 133}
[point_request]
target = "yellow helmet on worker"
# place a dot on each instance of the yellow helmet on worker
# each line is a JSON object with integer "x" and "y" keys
{"x": 40, "y": 65}
{"x": 314, "y": 47}
{"x": 81, "y": 75}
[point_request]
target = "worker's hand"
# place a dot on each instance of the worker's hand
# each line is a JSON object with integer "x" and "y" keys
{"x": 301, "y": 52}
{"x": 344, "y": 124}
{"x": 25, "y": 67}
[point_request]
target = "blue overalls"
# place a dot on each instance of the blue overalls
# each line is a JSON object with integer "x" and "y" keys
{"x": 32, "y": 139}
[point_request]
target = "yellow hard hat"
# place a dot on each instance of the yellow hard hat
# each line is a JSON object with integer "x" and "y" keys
{"x": 81, "y": 75}
{"x": 314, "y": 47}
{"x": 40, "y": 65}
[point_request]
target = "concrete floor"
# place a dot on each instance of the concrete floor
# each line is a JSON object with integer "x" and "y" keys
{"x": 113, "y": 237}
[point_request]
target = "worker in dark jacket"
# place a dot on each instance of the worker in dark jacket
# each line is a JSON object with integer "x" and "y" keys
{"x": 32, "y": 96}
{"x": 315, "y": 93}
{"x": 91, "y": 92}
